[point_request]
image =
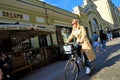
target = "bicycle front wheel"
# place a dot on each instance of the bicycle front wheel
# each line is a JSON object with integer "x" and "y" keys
{"x": 71, "y": 70}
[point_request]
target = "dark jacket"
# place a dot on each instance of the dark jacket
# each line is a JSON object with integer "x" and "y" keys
{"x": 103, "y": 36}
{"x": 8, "y": 62}
{"x": 1, "y": 64}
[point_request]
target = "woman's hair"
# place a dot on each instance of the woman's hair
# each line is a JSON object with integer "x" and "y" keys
{"x": 77, "y": 22}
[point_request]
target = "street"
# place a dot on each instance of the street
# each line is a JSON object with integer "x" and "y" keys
{"x": 107, "y": 66}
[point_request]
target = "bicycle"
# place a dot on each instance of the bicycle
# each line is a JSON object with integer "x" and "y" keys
{"x": 75, "y": 63}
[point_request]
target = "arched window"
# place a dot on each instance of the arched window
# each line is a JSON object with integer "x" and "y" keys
{"x": 95, "y": 24}
{"x": 91, "y": 27}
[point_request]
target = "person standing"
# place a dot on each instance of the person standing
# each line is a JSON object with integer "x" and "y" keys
{"x": 103, "y": 38}
{"x": 1, "y": 67}
{"x": 0, "y": 74}
{"x": 109, "y": 36}
{"x": 6, "y": 66}
{"x": 79, "y": 33}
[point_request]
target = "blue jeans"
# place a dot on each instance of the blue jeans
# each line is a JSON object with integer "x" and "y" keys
{"x": 77, "y": 48}
{"x": 103, "y": 42}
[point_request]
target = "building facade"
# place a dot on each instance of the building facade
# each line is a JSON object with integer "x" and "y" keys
{"x": 94, "y": 15}
{"x": 38, "y": 14}
{"x": 90, "y": 17}
{"x": 47, "y": 17}
{"x": 109, "y": 12}
{"x": 41, "y": 50}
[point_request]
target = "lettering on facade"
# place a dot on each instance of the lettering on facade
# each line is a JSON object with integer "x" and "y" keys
{"x": 12, "y": 15}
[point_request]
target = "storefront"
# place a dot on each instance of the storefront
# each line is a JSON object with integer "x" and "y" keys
{"x": 18, "y": 36}
{"x": 37, "y": 14}
{"x": 30, "y": 32}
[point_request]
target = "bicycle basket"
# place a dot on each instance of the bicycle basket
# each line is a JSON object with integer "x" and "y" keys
{"x": 67, "y": 49}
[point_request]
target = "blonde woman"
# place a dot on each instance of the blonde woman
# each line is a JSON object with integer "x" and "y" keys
{"x": 79, "y": 33}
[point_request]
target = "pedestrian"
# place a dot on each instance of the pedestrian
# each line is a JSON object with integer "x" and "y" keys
{"x": 1, "y": 67}
{"x": 94, "y": 37}
{"x": 79, "y": 33}
{"x": 6, "y": 66}
{"x": 95, "y": 41}
{"x": 1, "y": 74}
{"x": 96, "y": 45}
{"x": 103, "y": 39}
{"x": 109, "y": 36}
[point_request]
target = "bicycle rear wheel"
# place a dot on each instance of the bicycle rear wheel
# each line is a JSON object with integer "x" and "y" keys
{"x": 71, "y": 70}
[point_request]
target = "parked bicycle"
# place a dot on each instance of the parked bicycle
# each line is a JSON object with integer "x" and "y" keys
{"x": 75, "y": 64}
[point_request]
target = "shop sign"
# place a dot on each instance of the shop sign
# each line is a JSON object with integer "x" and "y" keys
{"x": 14, "y": 15}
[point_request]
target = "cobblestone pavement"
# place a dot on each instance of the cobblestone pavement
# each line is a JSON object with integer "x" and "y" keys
{"x": 107, "y": 63}
{"x": 107, "y": 66}
{"x": 54, "y": 71}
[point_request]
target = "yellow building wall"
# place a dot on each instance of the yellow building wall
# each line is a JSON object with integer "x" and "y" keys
{"x": 36, "y": 13}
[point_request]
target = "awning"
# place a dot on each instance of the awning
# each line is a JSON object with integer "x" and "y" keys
{"x": 22, "y": 31}
{"x": 116, "y": 29}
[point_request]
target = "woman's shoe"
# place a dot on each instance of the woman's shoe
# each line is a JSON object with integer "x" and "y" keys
{"x": 88, "y": 70}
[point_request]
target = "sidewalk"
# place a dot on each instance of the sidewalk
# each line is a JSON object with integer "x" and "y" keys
{"x": 107, "y": 63}
{"x": 109, "y": 44}
{"x": 49, "y": 72}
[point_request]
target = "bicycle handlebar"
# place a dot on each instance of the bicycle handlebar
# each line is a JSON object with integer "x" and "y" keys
{"x": 72, "y": 43}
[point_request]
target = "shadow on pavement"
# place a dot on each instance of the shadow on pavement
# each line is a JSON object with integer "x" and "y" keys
{"x": 104, "y": 60}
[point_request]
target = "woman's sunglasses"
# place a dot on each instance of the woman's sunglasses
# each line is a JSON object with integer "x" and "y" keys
{"x": 73, "y": 23}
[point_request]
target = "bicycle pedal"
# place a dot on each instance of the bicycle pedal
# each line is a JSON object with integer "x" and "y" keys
{"x": 83, "y": 66}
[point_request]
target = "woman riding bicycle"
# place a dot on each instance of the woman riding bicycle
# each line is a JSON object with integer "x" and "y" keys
{"x": 79, "y": 33}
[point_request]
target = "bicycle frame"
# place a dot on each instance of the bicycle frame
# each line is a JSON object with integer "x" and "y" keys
{"x": 74, "y": 56}
{"x": 75, "y": 64}
{"x": 80, "y": 61}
